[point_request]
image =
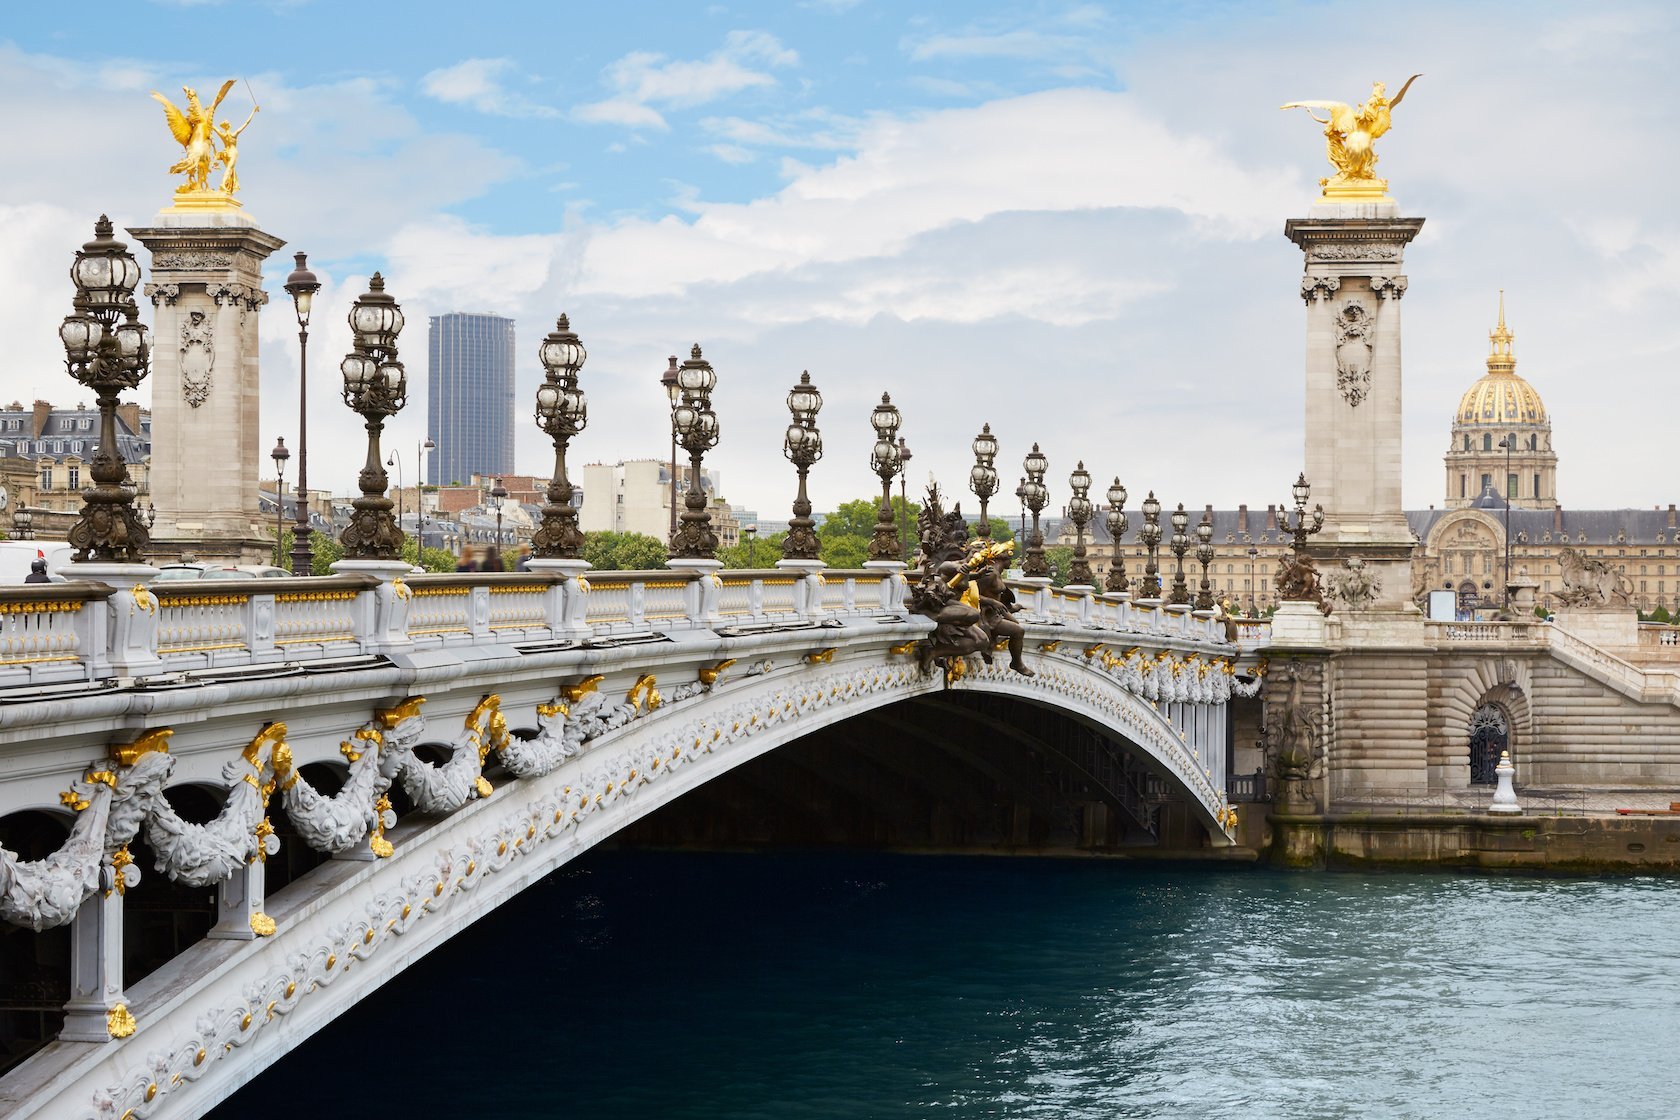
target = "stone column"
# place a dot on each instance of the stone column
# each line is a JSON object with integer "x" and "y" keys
{"x": 207, "y": 449}
{"x": 96, "y": 1011}
{"x": 1353, "y": 286}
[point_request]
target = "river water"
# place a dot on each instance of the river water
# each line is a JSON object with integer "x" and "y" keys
{"x": 821, "y": 985}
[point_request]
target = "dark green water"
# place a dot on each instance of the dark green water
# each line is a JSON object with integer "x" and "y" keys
{"x": 844, "y": 986}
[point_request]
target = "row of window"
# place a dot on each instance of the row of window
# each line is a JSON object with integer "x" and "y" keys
{"x": 83, "y": 423}
{"x": 1487, "y": 441}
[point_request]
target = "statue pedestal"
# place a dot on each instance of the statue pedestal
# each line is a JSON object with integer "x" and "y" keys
{"x": 207, "y": 448}
{"x": 1352, "y": 285}
{"x": 1608, "y": 628}
{"x": 1300, "y": 625}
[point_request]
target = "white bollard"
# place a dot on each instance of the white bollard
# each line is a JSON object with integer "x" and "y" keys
{"x": 1504, "y": 797}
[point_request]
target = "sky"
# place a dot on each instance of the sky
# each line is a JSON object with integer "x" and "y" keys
{"x": 1064, "y": 219}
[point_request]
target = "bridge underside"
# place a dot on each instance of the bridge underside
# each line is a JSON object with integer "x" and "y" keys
{"x": 959, "y": 771}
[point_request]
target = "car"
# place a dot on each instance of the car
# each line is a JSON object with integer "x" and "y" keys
{"x": 171, "y": 572}
{"x": 266, "y": 571}
{"x": 17, "y": 556}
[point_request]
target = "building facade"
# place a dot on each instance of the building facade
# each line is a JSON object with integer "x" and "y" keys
{"x": 46, "y": 455}
{"x": 634, "y": 496}
{"x": 470, "y": 396}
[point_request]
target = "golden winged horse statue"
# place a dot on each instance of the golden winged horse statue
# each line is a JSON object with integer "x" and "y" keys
{"x": 194, "y": 130}
{"x": 1351, "y": 131}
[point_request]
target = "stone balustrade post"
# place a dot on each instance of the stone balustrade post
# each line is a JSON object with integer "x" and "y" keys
{"x": 131, "y": 635}
{"x": 239, "y": 904}
{"x": 893, "y": 584}
{"x": 259, "y": 627}
{"x": 567, "y": 601}
{"x": 701, "y": 594}
{"x": 382, "y": 612}
{"x": 478, "y": 613}
{"x": 808, "y": 592}
{"x": 96, "y": 965}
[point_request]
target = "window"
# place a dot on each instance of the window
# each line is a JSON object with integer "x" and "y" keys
{"x": 1536, "y": 486}
{"x": 1534, "y": 443}
{"x": 1464, "y": 484}
{"x": 1510, "y": 486}
{"x": 1487, "y": 442}
{"x": 75, "y": 478}
{"x": 1487, "y": 482}
{"x": 1466, "y": 441}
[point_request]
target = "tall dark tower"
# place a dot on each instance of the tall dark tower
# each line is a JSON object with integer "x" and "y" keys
{"x": 469, "y": 407}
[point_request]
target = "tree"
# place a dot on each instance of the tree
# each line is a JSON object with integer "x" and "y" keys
{"x": 1060, "y": 559}
{"x": 856, "y": 518}
{"x": 753, "y": 554}
{"x": 1661, "y": 614}
{"x": 431, "y": 559}
{"x": 844, "y": 550}
{"x": 611, "y": 551}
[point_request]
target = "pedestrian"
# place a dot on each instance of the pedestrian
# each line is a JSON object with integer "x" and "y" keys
{"x": 524, "y": 564}
{"x": 37, "y": 570}
{"x": 492, "y": 560}
{"x": 468, "y": 563}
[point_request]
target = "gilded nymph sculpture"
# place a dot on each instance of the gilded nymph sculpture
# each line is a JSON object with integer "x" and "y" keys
{"x": 1349, "y": 134}
{"x": 197, "y": 131}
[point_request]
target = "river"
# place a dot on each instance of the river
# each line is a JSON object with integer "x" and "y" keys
{"x": 823, "y": 985}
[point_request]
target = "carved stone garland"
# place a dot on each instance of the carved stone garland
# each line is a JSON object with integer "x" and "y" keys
{"x": 1354, "y": 329}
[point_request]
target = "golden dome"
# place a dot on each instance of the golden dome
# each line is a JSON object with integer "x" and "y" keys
{"x": 1501, "y": 397}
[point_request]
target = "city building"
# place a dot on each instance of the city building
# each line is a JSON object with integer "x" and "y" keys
{"x": 46, "y": 454}
{"x": 634, "y": 496}
{"x": 470, "y": 397}
{"x": 1500, "y": 431}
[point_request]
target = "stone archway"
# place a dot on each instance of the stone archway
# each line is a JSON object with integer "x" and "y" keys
{"x": 1489, "y": 737}
{"x": 1468, "y": 598}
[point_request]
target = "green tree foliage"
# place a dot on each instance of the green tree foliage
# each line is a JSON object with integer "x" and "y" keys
{"x": 432, "y": 559}
{"x": 611, "y": 551}
{"x": 753, "y": 554}
{"x": 1661, "y": 614}
{"x": 1060, "y": 559}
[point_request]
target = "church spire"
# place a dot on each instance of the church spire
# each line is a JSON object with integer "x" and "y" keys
{"x": 1501, "y": 359}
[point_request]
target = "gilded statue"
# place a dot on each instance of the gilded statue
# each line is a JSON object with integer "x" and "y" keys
{"x": 1349, "y": 133}
{"x": 198, "y": 132}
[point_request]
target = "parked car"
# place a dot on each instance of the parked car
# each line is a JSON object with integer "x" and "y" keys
{"x": 266, "y": 571}
{"x": 171, "y": 572}
{"x": 17, "y": 556}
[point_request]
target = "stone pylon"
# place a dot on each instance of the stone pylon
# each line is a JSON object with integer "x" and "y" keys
{"x": 207, "y": 449}
{"x": 1353, "y": 286}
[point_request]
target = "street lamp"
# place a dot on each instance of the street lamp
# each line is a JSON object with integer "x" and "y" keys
{"x": 1300, "y": 529}
{"x": 562, "y": 412}
{"x": 803, "y": 447}
{"x": 375, "y": 386}
{"x": 752, "y": 541}
{"x": 1117, "y": 527}
{"x": 673, "y": 394}
{"x": 107, "y": 357}
{"x": 498, "y": 494}
{"x": 279, "y": 455}
{"x": 1180, "y": 544}
{"x": 1508, "y": 443}
{"x": 904, "y": 498}
{"x": 983, "y": 477}
{"x": 1021, "y": 497}
{"x": 394, "y": 459}
{"x": 1079, "y": 511}
{"x": 884, "y": 461}
{"x": 420, "y": 452}
{"x": 1204, "y": 555}
{"x": 1253, "y": 554}
{"x": 1150, "y": 535}
{"x": 23, "y": 524}
{"x": 302, "y": 285}
{"x": 695, "y": 426}
{"x": 1037, "y": 496}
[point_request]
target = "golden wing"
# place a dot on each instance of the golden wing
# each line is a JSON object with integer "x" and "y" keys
{"x": 1341, "y": 113}
{"x": 178, "y": 126}
{"x": 221, "y": 93}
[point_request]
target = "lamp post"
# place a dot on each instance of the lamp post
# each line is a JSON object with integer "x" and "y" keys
{"x": 394, "y": 459}
{"x": 562, "y": 412}
{"x": 420, "y": 499}
{"x": 803, "y": 447}
{"x": 696, "y": 428}
{"x": 1180, "y": 544}
{"x": 1080, "y": 510}
{"x": 884, "y": 461}
{"x": 23, "y": 524}
{"x": 983, "y": 476}
{"x": 1021, "y": 497}
{"x": 673, "y": 394}
{"x": 1509, "y": 442}
{"x": 1204, "y": 556}
{"x": 1035, "y": 566}
{"x": 1297, "y": 572}
{"x": 903, "y": 500}
{"x": 107, "y": 357}
{"x": 302, "y": 286}
{"x": 1253, "y": 606}
{"x": 1117, "y": 527}
{"x": 1150, "y": 535}
{"x": 279, "y": 455}
{"x": 752, "y": 544}
{"x": 498, "y": 494}
{"x": 375, "y": 386}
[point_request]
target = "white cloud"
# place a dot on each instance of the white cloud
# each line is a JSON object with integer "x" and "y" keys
{"x": 643, "y": 79}
{"x": 481, "y": 83}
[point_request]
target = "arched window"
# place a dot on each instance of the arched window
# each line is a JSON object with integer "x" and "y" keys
{"x": 1490, "y": 735}
{"x": 1487, "y": 441}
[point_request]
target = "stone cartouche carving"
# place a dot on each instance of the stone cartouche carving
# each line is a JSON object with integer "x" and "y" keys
{"x": 198, "y": 357}
{"x": 1356, "y": 586}
{"x": 1354, "y": 328}
{"x": 1350, "y": 134}
{"x": 1319, "y": 287}
{"x": 1592, "y": 583}
{"x": 1388, "y": 287}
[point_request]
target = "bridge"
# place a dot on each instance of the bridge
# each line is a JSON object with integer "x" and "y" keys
{"x": 342, "y": 772}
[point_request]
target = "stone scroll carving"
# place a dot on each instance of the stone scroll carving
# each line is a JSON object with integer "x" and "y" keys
{"x": 1354, "y": 329}
{"x": 1388, "y": 287}
{"x": 198, "y": 357}
{"x": 1319, "y": 287}
{"x": 162, "y": 293}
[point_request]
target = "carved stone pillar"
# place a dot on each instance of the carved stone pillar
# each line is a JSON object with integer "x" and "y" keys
{"x": 239, "y": 905}
{"x": 96, "y": 1011}
{"x": 1352, "y": 287}
{"x": 206, "y": 285}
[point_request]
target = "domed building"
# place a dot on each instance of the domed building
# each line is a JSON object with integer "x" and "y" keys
{"x": 1501, "y": 435}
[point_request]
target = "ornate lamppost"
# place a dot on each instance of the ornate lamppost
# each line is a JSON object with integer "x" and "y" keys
{"x": 498, "y": 495}
{"x": 1180, "y": 544}
{"x": 23, "y": 524}
{"x": 673, "y": 394}
{"x": 279, "y": 455}
{"x": 394, "y": 459}
{"x": 375, "y": 386}
{"x": 884, "y": 461}
{"x": 1150, "y": 535}
{"x": 1300, "y": 529}
{"x": 1021, "y": 497}
{"x": 904, "y": 499}
{"x": 1079, "y": 511}
{"x": 696, "y": 428}
{"x": 107, "y": 357}
{"x": 420, "y": 499}
{"x": 562, "y": 412}
{"x": 983, "y": 477}
{"x": 1117, "y": 526}
{"x": 1297, "y": 579}
{"x": 1204, "y": 556}
{"x": 1253, "y": 603}
{"x": 302, "y": 286}
{"x": 803, "y": 446}
{"x": 1035, "y": 566}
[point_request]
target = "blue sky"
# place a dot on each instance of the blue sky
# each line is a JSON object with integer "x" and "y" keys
{"x": 1062, "y": 218}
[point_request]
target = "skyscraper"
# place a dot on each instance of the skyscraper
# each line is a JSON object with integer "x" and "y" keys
{"x": 469, "y": 407}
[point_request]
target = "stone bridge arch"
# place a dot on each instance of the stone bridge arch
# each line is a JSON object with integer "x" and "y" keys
{"x": 1467, "y": 685}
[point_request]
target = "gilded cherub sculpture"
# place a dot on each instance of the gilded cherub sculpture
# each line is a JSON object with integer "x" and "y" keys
{"x": 1349, "y": 134}
{"x": 194, "y": 130}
